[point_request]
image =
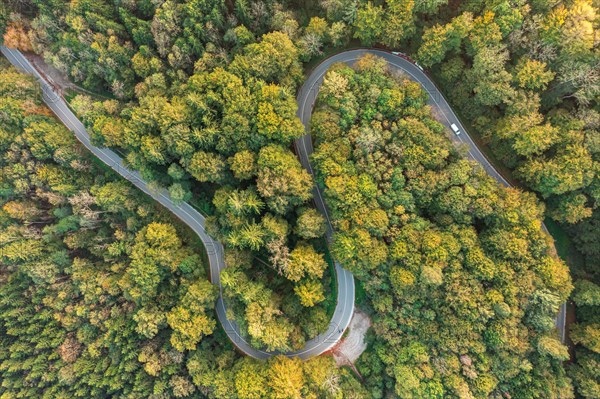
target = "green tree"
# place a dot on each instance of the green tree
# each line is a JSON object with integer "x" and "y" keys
{"x": 281, "y": 179}
{"x": 369, "y": 23}
{"x": 532, "y": 74}
{"x": 274, "y": 59}
{"x": 587, "y": 335}
{"x": 569, "y": 170}
{"x": 399, "y": 22}
{"x": 570, "y": 208}
{"x": 207, "y": 167}
{"x": 276, "y": 116}
{"x": 243, "y": 165}
{"x": 304, "y": 261}
{"x": 310, "y": 292}
{"x": 189, "y": 320}
{"x": 285, "y": 377}
{"x": 585, "y": 374}
{"x": 552, "y": 347}
{"x": 251, "y": 379}
{"x": 310, "y": 224}
{"x": 586, "y": 293}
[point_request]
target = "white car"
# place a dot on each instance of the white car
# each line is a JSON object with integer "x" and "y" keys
{"x": 455, "y": 128}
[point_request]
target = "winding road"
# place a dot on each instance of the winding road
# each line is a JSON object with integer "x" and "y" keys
{"x": 306, "y": 97}
{"x": 442, "y": 111}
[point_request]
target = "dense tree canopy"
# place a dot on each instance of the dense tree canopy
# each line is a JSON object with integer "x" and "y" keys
{"x": 226, "y": 132}
{"x": 586, "y": 333}
{"x": 102, "y": 293}
{"x": 463, "y": 283}
{"x": 199, "y": 96}
{"x": 530, "y": 91}
{"x": 88, "y": 268}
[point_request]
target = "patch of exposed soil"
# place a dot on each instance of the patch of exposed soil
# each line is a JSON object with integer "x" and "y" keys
{"x": 58, "y": 79}
{"x": 353, "y": 345}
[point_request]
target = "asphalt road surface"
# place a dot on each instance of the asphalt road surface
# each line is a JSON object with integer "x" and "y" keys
{"x": 306, "y": 97}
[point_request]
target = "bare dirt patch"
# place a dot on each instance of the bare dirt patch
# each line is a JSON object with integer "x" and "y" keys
{"x": 58, "y": 79}
{"x": 353, "y": 345}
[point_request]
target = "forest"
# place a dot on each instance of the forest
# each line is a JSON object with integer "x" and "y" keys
{"x": 460, "y": 281}
{"x": 463, "y": 284}
{"x": 105, "y": 294}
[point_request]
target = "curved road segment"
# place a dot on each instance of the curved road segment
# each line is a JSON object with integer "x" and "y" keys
{"x": 306, "y": 98}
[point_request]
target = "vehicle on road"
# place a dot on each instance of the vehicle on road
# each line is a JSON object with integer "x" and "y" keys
{"x": 455, "y": 129}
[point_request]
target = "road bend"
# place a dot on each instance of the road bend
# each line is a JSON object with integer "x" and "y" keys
{"x": 186, "y": 213}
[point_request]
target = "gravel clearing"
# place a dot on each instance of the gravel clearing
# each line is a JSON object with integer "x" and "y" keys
{"x": 353, "y": 345}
